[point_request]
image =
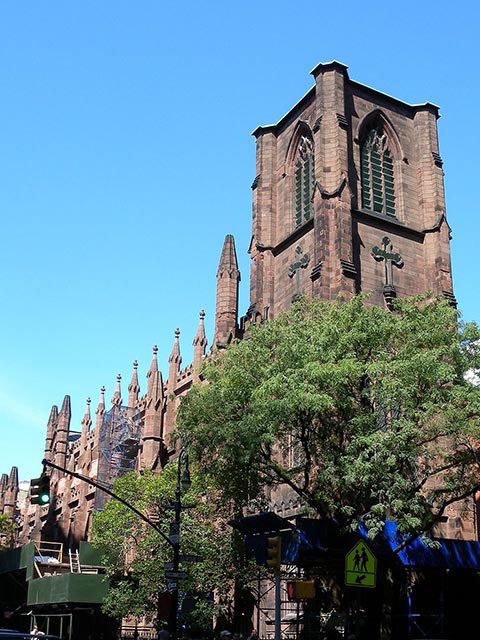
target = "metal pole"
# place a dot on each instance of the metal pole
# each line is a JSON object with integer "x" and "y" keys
{"x": 258, "y": 604}
{"x": 176, "y": 563}
{"x": 182, "y": 458}
{"x": 278, "y": 627}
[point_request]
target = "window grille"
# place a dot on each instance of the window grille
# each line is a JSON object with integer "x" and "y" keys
{"x": 378, "y": 189}
{"x": 304, "y": 181}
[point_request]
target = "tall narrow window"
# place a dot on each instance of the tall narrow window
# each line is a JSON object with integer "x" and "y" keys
{"x": 304, "y": 180}
{"x": 378, "y": 189}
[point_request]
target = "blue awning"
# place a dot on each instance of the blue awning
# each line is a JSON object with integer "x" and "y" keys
{"x": 433, "y": 552}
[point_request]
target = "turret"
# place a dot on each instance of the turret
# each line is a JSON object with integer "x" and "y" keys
{"x": 51, "y": 429}
{"x": 133, "y": 387}
{"x": 86, "y": 423}
{"x": 3, "y": 489}
{"x": 11, "y": 493}
{"x": 99, "y": 413}
{"x": 153, "y": 421}
{"x": 228, "y": 279}
{"x": 117, "y": 395}
{"x": 100, "y": 410}
{"x": 174, "y": 362}
{"x": 199, "y": 346}
{"x": 63, "y": 429}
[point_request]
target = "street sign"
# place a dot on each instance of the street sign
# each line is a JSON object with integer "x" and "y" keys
{"x": 180, "y": 575}
{"x": 190, "y": 559}
{"x": 173, "y": 506}
{"x": 174, "y": 536}
{"x": 168, "y": 565}
{"x": 360, "y": 566}
{"x": 172, "y": 585}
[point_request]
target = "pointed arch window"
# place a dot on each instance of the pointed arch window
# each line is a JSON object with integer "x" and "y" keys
{"x": 377, "y": 176}
{"x": 304, "y": 180}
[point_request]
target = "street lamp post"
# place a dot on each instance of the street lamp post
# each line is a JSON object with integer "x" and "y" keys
{"x": 183, "y": 482}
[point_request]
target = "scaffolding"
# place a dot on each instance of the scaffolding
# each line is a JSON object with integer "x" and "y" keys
{"x": 118, "y": 447}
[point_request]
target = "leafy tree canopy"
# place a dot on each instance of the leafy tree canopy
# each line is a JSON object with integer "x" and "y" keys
{"x": 7, "y": 530}
{"x": 363, "y": 413}
{"x": 135, "y": 554}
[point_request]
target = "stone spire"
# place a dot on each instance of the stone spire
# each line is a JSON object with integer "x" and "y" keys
{"x": 228, "y": 279}
{"x": 154, "y": 381}
{"x": 199, "y": 345}
{"x": 175, "y": 360}
{"x": 99, "y": 413}
{"x": 51, "y": 430}
{"x": 3, "y": 489}
{"x": 100, "y": 410}
{"x": 117, "y": 395}
{"x": 133, "y": 387}
{"x": 13, "y": 478}
{"x": 63, "y": 429}
{"x": 11, "y": 493}
{"x": 153, "y": 420}
{"x": 86, "y": 422}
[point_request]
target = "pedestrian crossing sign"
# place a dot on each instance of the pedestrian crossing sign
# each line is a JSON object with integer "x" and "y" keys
{"x": 360, "y": 566}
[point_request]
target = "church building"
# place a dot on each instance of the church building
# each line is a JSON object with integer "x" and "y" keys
{"x": 348, "y": 197}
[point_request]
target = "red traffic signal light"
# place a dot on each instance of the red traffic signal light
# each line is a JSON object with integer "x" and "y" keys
{"x": 291, "y": 589}
{"x": 274, "y": 552}
{"x": 40, "y": 490}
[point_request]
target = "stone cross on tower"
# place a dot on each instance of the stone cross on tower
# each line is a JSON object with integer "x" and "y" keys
{"x": 301, "y": 262}
{"x": 390, "y": 258}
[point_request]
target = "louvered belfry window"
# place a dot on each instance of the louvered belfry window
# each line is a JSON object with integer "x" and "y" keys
{"x": 304, "y": 180}
{"x": 378, "y": 189}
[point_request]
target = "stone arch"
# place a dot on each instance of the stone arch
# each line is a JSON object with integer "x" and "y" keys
{"x": 300, "y": 173}
{"x": 380, "y": 157}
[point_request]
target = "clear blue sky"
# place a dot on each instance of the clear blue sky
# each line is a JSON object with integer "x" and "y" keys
{"x": 126, "y": 156}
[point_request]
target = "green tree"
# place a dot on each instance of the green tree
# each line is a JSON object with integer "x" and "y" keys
{"x": 7, "y": 530}
{"x": 364, "y": 413}
{"x": 135, "y": 554}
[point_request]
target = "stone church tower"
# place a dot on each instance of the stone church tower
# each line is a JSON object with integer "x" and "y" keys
{"x": 348, "y": 197}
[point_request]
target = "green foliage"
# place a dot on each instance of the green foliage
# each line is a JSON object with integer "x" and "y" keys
{"x": 135, "y": 554}
{"x": 363, "y": 413}
{"x": 7, "y": 530}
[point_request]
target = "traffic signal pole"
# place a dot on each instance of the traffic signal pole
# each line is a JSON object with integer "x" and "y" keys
{"x": 102, "y": 487}
{"x": 174, "y": 538}
{"x": 182, "y": 482}
{"x": 278, "y": 626}
{"x": 274, "y": 560}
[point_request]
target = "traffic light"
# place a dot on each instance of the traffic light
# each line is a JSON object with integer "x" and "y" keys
{"x": 40, "y": 490}
{"x": 291, "y": 589}
{"x": 274, "y": 552}
{"x": 300, "y": 589}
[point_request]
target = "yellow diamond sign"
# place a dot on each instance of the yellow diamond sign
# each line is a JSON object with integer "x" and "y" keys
{"x": 360, "y": 566}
